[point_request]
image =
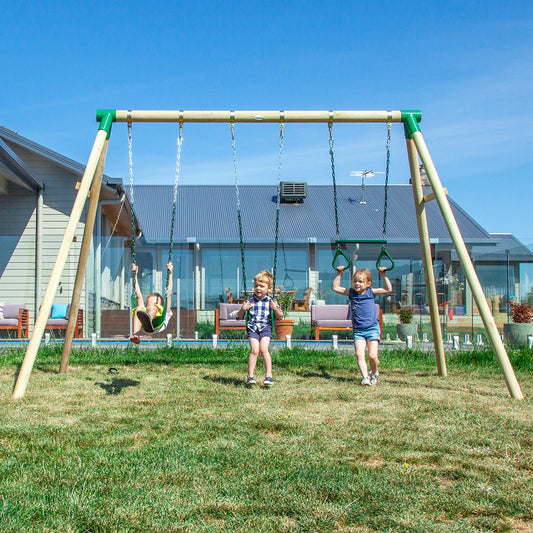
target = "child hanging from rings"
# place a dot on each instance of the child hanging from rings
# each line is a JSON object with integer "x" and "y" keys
{"x": 147, "y": 317}
{"x": 365, "y": 323}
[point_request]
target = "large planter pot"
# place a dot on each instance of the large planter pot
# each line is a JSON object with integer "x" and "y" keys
{"x": 516, "y": 334}
{"x": 406, "y": 330}
{"x": 283, "y": 328}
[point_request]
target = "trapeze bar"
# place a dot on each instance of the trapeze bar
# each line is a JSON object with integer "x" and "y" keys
{"x": 254, "y": 116}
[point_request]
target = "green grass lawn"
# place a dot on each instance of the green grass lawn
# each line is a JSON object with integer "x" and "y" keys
{"x": 175, "y": 442}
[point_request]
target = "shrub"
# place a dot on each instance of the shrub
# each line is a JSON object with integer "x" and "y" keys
{"x": 205, "y": 330}
{"x": 521, "y": 313}
{"x": 405, "y": 315}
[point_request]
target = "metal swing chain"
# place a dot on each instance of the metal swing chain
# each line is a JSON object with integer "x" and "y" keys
{"x": 330, "y": 127}
{"x": 384, "y": 253}
{"x": 339, "y": 252}
{"x": 237, "y": 195}
{"x": 133, "y": 236}
{"x": 174, "y": 202}
{"x": 386, "y": 189}
{"x": 276, "y": 239}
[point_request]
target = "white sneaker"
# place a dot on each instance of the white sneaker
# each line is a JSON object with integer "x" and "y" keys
{"x": 373, "y": 378}
{"x": 366, "y": 381}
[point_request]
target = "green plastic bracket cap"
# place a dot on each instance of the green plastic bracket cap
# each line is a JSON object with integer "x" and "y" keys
{"x": 410, "y": 119}
{"x": 106, "y": 117}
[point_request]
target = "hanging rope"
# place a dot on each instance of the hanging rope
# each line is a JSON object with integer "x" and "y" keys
{"x": 115, "y": 225}
{"x": 384, "y": 254}
{"x": 237, "y": 195}
{"x": 340, "y": 252}
{"x": 278, "y": 197}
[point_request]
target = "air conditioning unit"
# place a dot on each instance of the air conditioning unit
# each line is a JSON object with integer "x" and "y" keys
{"x": 293, "y": 191}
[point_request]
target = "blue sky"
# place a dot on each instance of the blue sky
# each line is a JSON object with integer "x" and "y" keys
{"x": 467, "y": 65}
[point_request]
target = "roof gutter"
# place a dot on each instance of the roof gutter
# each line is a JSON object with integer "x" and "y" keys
{"x": 14, "y": 164}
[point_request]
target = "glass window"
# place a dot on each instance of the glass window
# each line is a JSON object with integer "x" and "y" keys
{"x": 182, "y": 261}
{"x": 224, "y": 275}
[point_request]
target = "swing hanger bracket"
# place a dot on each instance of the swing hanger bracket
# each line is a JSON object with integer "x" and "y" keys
{"x": 410, "y": 119}
{"x": 106, "y": 117}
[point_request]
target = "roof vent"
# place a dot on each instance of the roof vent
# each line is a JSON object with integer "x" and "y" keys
{"x": 293, "y": 191}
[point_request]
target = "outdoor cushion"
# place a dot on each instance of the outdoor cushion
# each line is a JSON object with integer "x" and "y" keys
{"x": 59, "y": 311}
{"x": 11, "y": 311}
{"x": 339, "y": 314}
{"x": 2, "y": 309}
{"x": 225, "y": 318}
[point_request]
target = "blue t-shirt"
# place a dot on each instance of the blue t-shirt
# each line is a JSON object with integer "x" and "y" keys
{"x": 363, "y": 309}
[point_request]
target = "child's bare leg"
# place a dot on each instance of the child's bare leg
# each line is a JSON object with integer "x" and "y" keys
{"x": 136, "y": 325}
{"x": 373, "y": 357}
{"x": 265, "y": 354}
{"x": 252, "y": 358}
{"x": 137, "y": 328}
{"x": 360, "y": 346}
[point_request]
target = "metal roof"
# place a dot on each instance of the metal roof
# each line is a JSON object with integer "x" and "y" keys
{"x": 208, "y": 213}
{"x": 507, "y": 247}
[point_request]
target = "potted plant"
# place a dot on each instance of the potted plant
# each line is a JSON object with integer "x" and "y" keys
{"x": 517, "y": 332}
{"x": 284, "y": 326}
{"x": 406, "y": 328}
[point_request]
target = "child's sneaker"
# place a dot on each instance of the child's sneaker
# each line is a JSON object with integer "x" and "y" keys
{"x": 251, "y": 381}
{"x": 145, "y": 320}
{"x": 366, "y": 381}
{"x": 268, "y": 382}
{"x": 373, "y": 378}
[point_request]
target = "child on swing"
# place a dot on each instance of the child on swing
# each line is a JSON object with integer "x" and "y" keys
{"x": 146, "y": 317}
{"x": 259, "y": 325}
{"x": 365, "y": 323}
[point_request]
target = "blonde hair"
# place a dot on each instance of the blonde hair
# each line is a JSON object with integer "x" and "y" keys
{"x": 265, "y": 277}
{"x": 363, "y": 272}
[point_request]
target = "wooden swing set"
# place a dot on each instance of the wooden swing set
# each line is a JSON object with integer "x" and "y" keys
{"x": 416, "y": 148}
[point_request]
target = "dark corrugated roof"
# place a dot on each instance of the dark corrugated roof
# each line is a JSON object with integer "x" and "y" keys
{"x": 209, "y": 213}
{"x": 507, "y": 246}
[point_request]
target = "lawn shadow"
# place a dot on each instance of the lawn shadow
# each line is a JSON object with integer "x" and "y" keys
{"x": 225, "y": 381}
{"x": 117, "y": 384}
{"x": 323, "y": 374}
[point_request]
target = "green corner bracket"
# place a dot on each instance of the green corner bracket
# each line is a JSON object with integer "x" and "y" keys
{"x": 106, "y": 117}
{"x": 410, "y": 119}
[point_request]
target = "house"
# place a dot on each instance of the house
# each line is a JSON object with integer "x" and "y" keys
{"x": 37, "y": 191}
{"x": 207, "y": 256}
{"x": 38, "y": 187}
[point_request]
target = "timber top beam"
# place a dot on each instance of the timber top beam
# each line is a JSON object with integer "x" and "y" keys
{"x": 116, "y": 115}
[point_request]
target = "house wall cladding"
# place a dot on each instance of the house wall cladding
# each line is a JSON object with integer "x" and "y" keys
{"x": 18, "y": 234}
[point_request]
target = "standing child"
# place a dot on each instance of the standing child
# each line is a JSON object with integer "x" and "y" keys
{"x": 150, "y": 317}
{"x": 259, "y": 325}
{"x": 365, "y": 323}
